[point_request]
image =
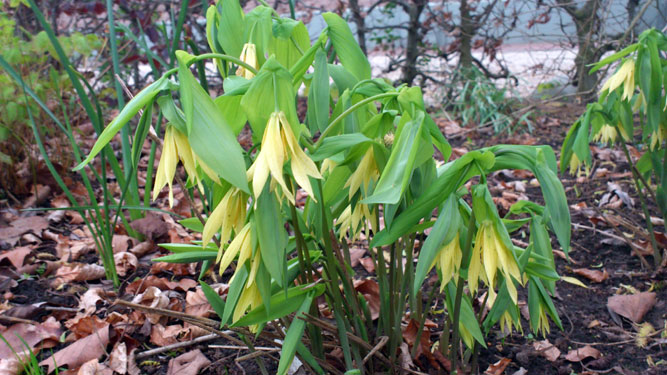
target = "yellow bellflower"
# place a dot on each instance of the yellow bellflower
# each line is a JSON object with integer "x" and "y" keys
{"x": 491, "y": 253}
{"x": 365, "y": 172}
{"x": 448, "y": 261}
{"x": 278, "y": 146}
{"x": 606, "y": 134}
{"x": 248, "y": 56}
{"x": 624, "y": 76}
{"x": 354, "y": 220}
{"x": 176, "y": 147}
{"x": 229, "y": 214}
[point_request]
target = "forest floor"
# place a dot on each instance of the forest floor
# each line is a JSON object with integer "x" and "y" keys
{"x": 53, "y": 293}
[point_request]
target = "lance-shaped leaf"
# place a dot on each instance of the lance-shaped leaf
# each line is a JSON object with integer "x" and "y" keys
{"x": 318, "y": 95}
{"x": 271, "y": 235}
{"x": 402, "y": 161}
{"x": 281, "y": 304}
{"x": 350, "y": 54}
{"x": 130, "y": 110}
{"x": 231, "y": 27}
{"x": 293, "y": 336}
{"x": 211, "y": 137}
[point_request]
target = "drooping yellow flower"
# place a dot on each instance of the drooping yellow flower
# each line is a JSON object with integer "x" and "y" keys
{"x": 354, "y": 220}
{"x": 491, "y": 253}
{"x": 249, "y": 298}
{"x": 176, "y": 147}
{"x": 575, "y": 163}
{"x": 278, "y": 146}
{"x": 241, "y": 245}
{"x": 248, "y": 56}
{"x": 229, "y": 214}
{"x": 543, "y": 322}
{"x": 606, "y": 134}
{"x": 448, "y": 261}
{"x": 657, "y": 137}
{"x": 624, "y": 76}
{"x": 365, "y": 172}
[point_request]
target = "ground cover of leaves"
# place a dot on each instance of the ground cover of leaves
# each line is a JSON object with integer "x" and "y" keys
{"x": 54, "y": 296}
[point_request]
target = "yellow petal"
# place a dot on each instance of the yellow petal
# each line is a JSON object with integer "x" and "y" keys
{"x": 489, "y": 253}
{"x": 214, "y": 222}
{"x": 274, "y": 148}
{"x": 234, "y": 247}
{"x": 248, "y": 56}
{"x": 249, "y": 296}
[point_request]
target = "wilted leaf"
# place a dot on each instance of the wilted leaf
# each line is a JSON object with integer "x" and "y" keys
{"x": 94, "y": 367}
{"x": 121, "y": 242}
{"x": 188, "y": 364}
{"x": 197, "y": 304}
{"x": 82, "y": 326}
{"x": 78, "y": 272}
{"x": 498, "y": 368}
{"x": 633, "y": 306}
{"x": 152, "y": 297}
{"x": 88, "y": 348}
{"x": 577, "y": 355}
{"x": 91, "y": 297}
{"x": 163, "y": 336}
{"x": 142, "y": 248}
{"x": 141, "y": 285}
{"x": 355, "y": 255}
{"x": 368, "y": 264}
{"x": 178, "y": 269}
{"x": 16, "y": 255}
{"x": 13, "y": 232}
{"x": 547, "y": 350}
{"x": 423, "y": 342}
{"x": 152, "y": 227}
{"x": 31, "y": 334}
{"x": 126, "y": 262}
{"x": 595, "y": 276}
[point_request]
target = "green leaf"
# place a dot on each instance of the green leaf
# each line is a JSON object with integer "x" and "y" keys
{"x": 141, "y": 133}
{"x": 402, "y": 161}
{"x": 281, "y": 304}
{"x": 129, "y": 111}
{"x": 271, "y": 88}
{"x": 258, "y": 30}
{"x": 231, "y": 27}
{"x": 293, "y": 335}
{"x": 192, "y": 223}
{"x": 271, "y": 235}
{"x": 187, "y": 247}
{"x": 467, "y": 317}
{"x": 291, "y": 42}
{"x": 214, "y": 299}
{"x": 348, "y": 50}
{"x": 234, "y": 292}
{"x": 230, "y": 107}
{"x": 172, "y": 113}
{"x": 212, "y": 134}
{"x": 333, "y": 145}
{"x": 318, "y": 94}
{"x": 187, "y": 257}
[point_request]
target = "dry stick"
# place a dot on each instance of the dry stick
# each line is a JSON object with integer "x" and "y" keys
{"x": 12, "y": 319}
{"x": 380, "y": 345}
{"x": 178, "y": 345}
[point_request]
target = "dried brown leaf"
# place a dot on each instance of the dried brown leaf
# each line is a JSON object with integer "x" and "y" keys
{"x": 163, "y": 336}
{"x": 499, "y": 367}
{"x": 632, "y": 306}
{"x": 577, "y": 355}
{"x": 368, "y": 264}
{"x": 31, "y": 334}
{"x": 118, "y": 358}
{"x": 547, "y": 350}
{"x": 77, "y": 272}
{"x": 152, "y": 227}
{"x": 141, "y": 285}
{"x": 595, "y": 276}
{"x": 16, "y": 255}
{"x": 188, "y": 364}
{"x": 94, "y": 367}
{"x": 152, "y": 297}
{"x": 126, "y": 262}
{"x": 371, "y": 291}
{"x": 11, "y": 234}
{"x": 76, "y": 354}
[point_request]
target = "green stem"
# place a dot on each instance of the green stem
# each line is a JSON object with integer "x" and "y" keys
{"x": 453, "y": 354}
{"x": 337, "y": 120}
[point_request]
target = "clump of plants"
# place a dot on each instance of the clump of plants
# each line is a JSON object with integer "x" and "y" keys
{"x": 478, "y": 101}
{"x": 34, "y": 56}
{"x": 631, "y": 111}
{"x": 360, "y": 166}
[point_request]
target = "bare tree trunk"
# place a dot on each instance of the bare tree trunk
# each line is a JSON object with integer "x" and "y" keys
{"x": 467, "y": 32}
{"x": 410, "y": 70}
{"x": 359, "y": 22}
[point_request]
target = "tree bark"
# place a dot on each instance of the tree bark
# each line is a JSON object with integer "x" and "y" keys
{"x": 410, "y": 70}
{"x": 467, "y": 32}
{"x": 359, "y": 22}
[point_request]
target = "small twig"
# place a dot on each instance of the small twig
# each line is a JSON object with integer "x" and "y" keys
{"x": 60, "y": 308}
{"x": 380, "y": 345}
{"x": 12, "y": 319}
{"x": 177, "y": 345}
{"x": 234, "y": 347}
